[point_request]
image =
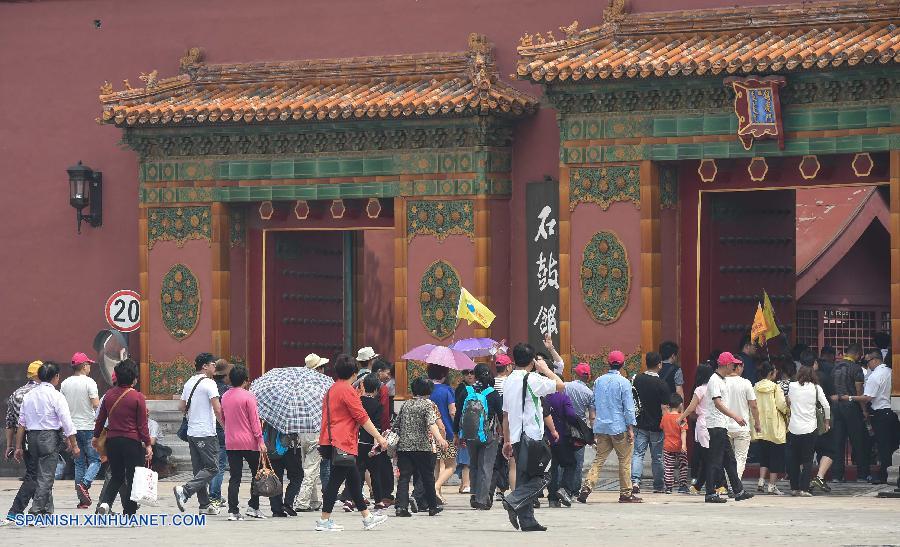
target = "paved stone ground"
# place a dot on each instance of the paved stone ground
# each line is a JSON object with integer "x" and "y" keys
{"x": 660, "y": 520}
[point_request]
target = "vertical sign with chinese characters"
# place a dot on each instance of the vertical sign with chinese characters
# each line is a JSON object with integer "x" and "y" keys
{"x": 542, "y": 224}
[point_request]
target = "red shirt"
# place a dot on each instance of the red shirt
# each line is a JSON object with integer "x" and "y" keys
{"x": 672, "y": 431}
{"x": 385, "y": 400}
{"x": 129, "y": 419}
{"x": 343, "y": 411}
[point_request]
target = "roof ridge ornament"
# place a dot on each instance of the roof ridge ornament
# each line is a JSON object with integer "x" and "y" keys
{"x": 192, "y": 57}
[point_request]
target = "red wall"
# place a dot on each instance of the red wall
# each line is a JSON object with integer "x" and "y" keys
{"x": 53, "y": 61}
{"x": 861, "y": 278}
{"x": 588, "y": 336}
{"x": 378, "y": 292}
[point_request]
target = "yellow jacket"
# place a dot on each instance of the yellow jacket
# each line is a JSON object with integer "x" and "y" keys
{"x": 773, "y": 411}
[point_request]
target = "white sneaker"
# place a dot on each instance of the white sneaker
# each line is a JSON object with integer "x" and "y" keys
{"x": 6, "y": 521}
{"x": 210, "y": 510}
{"x": 180, "y": 498}
{"x": 254, "y": 513}
{"x": 774, "y": 491}
{"x": 328, "y": 526}
{"x": 103, "y": 509}
{"x": 373, "y": 520}
{"x": 235, "y": 516}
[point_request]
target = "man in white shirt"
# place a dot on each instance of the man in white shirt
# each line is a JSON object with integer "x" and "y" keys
{"x": 80, "y": 391}
{"x": 523, "y": 425}
{"x": 721, "y": 455}
{"x": 740, "y": 397}
{"x": 877, "y": 392}
{"x": 200, "y": 402}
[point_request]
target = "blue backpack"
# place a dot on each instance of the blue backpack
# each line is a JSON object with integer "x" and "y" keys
{"x": 474, "y": 423}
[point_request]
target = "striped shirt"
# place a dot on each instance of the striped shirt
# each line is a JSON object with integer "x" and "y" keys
{"x": 582, "y": 397}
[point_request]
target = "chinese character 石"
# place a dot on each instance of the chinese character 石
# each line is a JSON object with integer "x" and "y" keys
{"x": 546, "y": 228}
{"x": 546, "y": 320}
{"x": 548, "y": 273}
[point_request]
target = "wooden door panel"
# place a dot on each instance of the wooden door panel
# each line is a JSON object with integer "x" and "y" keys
{"x": 747, "y": 245}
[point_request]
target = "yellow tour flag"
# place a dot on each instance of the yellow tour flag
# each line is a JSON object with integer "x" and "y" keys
{"x": 471, "y": 309}
{"x": 760, "y": 327}
{"x": 771, "y": 326}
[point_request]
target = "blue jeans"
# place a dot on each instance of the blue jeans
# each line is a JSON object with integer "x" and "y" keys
{"x": 215, "y": 485}
{"x": 642, "y": 438}
{"x": 571, "y": 476}
{"x": 87, "y": 464}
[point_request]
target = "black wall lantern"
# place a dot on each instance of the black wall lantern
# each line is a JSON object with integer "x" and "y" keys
{"x": 86, "y": 190}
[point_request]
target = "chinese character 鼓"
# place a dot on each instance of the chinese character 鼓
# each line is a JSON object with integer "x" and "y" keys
{"x": 548, "y": 273}
{"x": 546, "y": 320}
{"x": 546, "y": 227}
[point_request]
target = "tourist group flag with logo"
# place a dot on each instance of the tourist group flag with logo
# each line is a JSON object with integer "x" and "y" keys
{"x": 471, "y": 309}
{"x": 764, "y": 325}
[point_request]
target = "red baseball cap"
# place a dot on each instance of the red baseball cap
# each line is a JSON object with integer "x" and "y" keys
{"x": 503, "y": 360}
{"x": 583, "y": 369}
{"x": 616, "y": 356}
{"x": 726, "y": 358}
{"x": 80, "y": 359}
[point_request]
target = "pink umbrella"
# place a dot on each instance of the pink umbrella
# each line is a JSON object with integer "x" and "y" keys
{"x": 440, "y": 355}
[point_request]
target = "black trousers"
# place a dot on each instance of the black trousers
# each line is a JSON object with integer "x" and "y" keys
{"x": 124, "y": 455}
{"x": 365, "y": 463}
{"x": 340, "y": 475}
{"x": 236, "y": 459}
{"x": 847, "y": 422}
{"x": 386, "y": 475}
{"x": 29, "y": 485}
{"x": 721, "y": 458}
{"x": 887, "y": 435}
{"x": 292, "y": 463}
{"x": 801, "y": 462}
{"x": 418, "y": 491}
{"x": 422, "y": 464}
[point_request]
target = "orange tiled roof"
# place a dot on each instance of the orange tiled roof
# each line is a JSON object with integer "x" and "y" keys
{"x": 712, "y": 41}
{"x": 398, "y": 86}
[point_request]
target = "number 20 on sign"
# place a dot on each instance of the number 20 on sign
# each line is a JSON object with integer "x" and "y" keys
{"x": 123, "y": 311}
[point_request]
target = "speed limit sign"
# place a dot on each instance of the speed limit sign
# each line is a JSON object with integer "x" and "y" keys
{"x": 123, "y": 311}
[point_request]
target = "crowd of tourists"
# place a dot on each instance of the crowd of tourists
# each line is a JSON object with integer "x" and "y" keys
{"x": 514, "y": 430}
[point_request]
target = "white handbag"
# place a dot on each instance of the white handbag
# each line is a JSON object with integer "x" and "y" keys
{"x": 144, "y": 486}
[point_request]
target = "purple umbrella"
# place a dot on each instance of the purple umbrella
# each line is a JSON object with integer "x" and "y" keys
{"x": 478, "y": 347}
{"x": 440, "y": 355}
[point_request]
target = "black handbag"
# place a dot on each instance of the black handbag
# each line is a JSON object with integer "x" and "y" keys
{"x": 580, "y": 434}
{"x": 538, "y": 451}
{"x": 339, "y": 457}
{"x": 182, "y": 431}
{"x": 265, "y": 482}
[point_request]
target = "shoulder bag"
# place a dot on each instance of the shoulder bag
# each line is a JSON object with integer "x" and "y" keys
{"x": 101, "y": 440}
{"x": 538, "y": 451}
{"x": 265, "y": 482}
{"x": 182, "y": 431}
{"x": 339, "y": 456}
{"x": 820, "y": 415}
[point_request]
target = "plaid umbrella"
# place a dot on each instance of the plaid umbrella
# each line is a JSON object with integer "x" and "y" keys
{"x": 290, "y": 399}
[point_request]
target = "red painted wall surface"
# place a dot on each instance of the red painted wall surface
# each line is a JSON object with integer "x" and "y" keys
{"x": 671, "y": 271}
{"x": 196, "y": 255}
{"x": 54, "y": 59}
{"x": 378, "y": 292}
{"x": 861, "y": 278}
{"x": 588, "y": 336}
{"x": 238, "y": 302}
{"x": 459, "y": 251}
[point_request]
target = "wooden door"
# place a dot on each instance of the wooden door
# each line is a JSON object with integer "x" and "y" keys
{"x": 747, "y": 245}
{"x": 307, "y": 292}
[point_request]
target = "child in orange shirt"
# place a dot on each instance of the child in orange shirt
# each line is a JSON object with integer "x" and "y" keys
{"x": 675, "y": 446}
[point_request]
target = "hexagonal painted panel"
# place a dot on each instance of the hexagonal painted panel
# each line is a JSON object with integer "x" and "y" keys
{"x": 438, "y": 299}
{"x": 809, "y": 167}
{"x": 605, "y": 277}
{"x": 180, "y": 301}
{"x": 708, "y": 170}
{"x": 338, "y": 208}
{"x": 301, "y": 209}
{"x": 862, "y": 164}
{"x": 758, "y": 169}
{"x": 373, "y": 208}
